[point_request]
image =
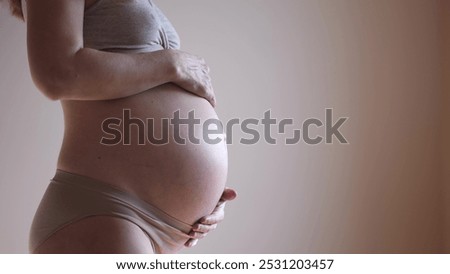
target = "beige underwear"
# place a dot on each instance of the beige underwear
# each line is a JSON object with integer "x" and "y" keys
{"x": 71, "y": 197}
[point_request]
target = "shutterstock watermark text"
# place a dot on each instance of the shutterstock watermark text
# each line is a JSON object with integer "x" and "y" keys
{"x": 127, "y": 130}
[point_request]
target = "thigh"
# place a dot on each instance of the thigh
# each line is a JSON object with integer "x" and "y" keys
{"x": 98, "y": 234}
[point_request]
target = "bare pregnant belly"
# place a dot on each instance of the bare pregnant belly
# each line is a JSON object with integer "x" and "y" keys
{"x": 185, "y": 180}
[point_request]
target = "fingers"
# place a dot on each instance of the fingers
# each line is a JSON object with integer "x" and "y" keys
{"x": 191, "y": 243}
{"x": 204, "y": 79}
{"x": 209, "y": 223}
{"x": 202, "y": 82}
{"x": 199, "y": 231}
{"x": 218, "y": 213}
{"x": 211, "y": 220}
{"x": 205, "y": 69}
{"x": 197, "y": 235}
{"x": 199, "y": 227}
{"x": 216, "y": 216}
{"x": 210, "y": 96}
{"x": 193, "y": 75}
{"x": 228, "y": 194}
{"x": 208, "y": 89}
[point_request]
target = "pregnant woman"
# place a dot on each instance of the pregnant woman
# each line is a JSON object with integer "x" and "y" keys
{"x": 102, "y": 59}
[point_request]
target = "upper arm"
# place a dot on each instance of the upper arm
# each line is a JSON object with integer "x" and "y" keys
{"x": 54, "y": 36}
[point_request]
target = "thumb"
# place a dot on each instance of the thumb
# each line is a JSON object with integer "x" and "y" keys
{"x": 228, "y": 194}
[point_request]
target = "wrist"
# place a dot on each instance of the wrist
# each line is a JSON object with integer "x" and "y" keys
{"x": 171, "y": 66}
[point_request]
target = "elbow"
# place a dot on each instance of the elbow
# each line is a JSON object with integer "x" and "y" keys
{"x": 55, "y": 85}
{"x": 49, "y": 90}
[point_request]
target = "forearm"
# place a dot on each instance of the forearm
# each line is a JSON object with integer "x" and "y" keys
{"x": 98, "y": 75}
{"x": 63, "y": 69}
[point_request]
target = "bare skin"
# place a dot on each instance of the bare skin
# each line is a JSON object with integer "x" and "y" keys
{"x": 185, "y": 181}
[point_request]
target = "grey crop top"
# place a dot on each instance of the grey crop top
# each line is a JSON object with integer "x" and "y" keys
{"x": 128, "y": 26}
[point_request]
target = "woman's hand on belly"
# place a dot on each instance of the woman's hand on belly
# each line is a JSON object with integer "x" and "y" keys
{"x": 209, "y": 223}
{"x": 192, "y": 74}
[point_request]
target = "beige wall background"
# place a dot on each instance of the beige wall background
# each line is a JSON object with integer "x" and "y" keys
{"x": 382, "y": 63}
